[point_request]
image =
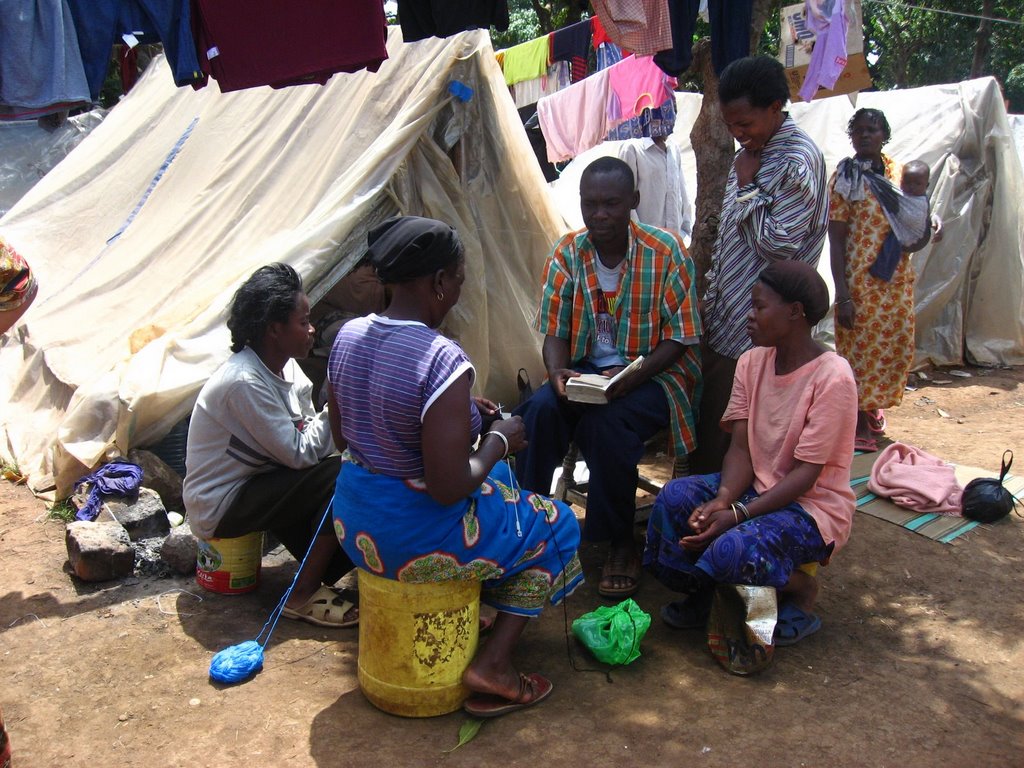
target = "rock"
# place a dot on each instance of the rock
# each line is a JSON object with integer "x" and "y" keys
{"x": 158, "y": 475}
{"x": 179, "y": 550}
{"x": 99, "y": 551}
{"x": 143, "y": 517}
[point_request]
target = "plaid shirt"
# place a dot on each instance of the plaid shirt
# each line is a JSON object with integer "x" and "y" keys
{"x": 657, "y": 301}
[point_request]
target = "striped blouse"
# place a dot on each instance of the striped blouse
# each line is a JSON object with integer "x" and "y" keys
{"x": 657, "y": 300}
{"x": 783, "y": 214}
{"x": 385, "y": 375}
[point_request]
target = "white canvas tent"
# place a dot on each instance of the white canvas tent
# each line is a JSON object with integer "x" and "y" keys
{"x": 141, "y": 235}
{"x": 970, "y": 286}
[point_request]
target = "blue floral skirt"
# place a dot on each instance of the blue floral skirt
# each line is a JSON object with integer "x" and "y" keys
{"x": 520, "y": 545}
{"x": 762, "y": 551}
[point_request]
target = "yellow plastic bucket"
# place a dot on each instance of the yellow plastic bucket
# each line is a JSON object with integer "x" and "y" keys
{"x": 415, "y": 641}
{"x": 230, "y": 566}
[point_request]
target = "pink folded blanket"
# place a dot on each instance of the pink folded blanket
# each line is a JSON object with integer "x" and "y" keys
{"x": 916, "y": 480}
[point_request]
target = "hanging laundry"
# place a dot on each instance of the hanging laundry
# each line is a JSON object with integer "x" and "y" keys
{"x": 651, "y": 123}
{"x": 531, "y": 91}
{"x": 440, "y": 18}
{"x": 248, "y": 43}
{"x": 527, "y": 61}
{"x": 827, "y": 19}
{"x": 598, "y": 34}
{"x": 572, "y": 44}
{"x": 101, "y": 23}
{"x": 641, "y": 26}
{"x": 730, "y": 33}
{"x": 40, "y": 63}
{"x": 637, "y": 84}
{"x": 576, "y": 118}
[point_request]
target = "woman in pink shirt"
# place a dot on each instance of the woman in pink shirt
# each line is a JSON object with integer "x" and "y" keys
{"x": 783, "y": 497}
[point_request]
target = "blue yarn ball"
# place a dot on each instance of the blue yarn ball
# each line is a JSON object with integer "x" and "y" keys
{"x": 237, "y": 663}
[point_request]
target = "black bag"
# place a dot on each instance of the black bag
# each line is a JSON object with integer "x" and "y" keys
{"x": 985, "y": 499}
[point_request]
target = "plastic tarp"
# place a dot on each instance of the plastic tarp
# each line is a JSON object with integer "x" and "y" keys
{"x": 28, "y": 151}
{"x": 970, "y": 286}
{"x": 142, "y": 234}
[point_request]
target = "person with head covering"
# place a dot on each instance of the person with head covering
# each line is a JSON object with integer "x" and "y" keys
{"x": 258, "y": 456}
{"x": 18, "y": 286}
{"x": 614, "y": 292}
{"x": 874, "y": 316}
{"x": 415, "y": 501}
{"x": 775, "y": 208}
{"x": 783, "y": 498}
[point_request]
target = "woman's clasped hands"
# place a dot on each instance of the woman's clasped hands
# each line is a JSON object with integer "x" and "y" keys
{"x": 709, "y": 521}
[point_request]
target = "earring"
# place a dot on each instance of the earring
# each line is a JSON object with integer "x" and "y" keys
{"x": 440, "y": 295}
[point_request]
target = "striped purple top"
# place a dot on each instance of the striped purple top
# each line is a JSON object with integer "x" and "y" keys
{"x": 385, "y": 374}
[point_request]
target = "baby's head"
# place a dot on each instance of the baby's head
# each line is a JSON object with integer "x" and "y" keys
{"x": 915, "y": 178}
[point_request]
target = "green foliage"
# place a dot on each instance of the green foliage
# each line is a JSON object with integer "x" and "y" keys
{"x": 1014, "y": 88}
{"x": 62, "y": 510}
{"x": 526, "y": 24}
{"x": 908, "y": 46}
{"x": 523, "y": 26}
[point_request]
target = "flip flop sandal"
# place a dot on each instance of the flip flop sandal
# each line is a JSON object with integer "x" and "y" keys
{"x": 626, "y": 566}
{"x": 876, "y": 421}
{"x": 533, "y": 689}
{"x": 683, "y": 614}
{"x": 794, "y": 625}
{"x": 865, "y": 445}
{"x": 325, "y": 608}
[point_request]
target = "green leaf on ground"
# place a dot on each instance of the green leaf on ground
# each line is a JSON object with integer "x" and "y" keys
{"x": 467, "y": 732}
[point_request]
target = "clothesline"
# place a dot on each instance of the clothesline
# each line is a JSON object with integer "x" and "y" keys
{"x": 896, "y": 4}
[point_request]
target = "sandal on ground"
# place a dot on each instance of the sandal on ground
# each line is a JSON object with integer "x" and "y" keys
{"x": 865, "y": 444}
{"x": 876, "y": 421}
{"x": 620, "y": 563}
{"x": 794, "y": 625}
{"x": 326, "y": 608}
{"x": 532, "y": 690}
{"x": 684, "y": 614}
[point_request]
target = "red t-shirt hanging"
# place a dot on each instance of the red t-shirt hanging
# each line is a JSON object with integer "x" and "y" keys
{"x": 248, "y": 43}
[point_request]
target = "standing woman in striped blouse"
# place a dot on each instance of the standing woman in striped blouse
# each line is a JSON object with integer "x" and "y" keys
{"x": 775, "y": 207}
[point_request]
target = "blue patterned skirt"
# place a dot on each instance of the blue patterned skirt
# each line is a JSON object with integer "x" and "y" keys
{"x": 762, "y": 551}
{"x": 520, "y": 545}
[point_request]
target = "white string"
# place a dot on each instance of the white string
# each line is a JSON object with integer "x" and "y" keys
{"x": 160, "y": 606}
{"x": 896, "y": 4}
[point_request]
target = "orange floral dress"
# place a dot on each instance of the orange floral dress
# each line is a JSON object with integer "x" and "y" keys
{"x": 880, "y": 348}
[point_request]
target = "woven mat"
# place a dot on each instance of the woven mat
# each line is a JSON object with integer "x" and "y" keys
{"x": 944, "y": 528}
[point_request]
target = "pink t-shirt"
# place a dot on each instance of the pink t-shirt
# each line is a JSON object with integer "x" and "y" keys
{"x": 637, "y": 84}
{"x": 808, "y": 415}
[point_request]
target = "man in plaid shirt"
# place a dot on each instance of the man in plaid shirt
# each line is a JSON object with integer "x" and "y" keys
{"x": 612, "y": 292}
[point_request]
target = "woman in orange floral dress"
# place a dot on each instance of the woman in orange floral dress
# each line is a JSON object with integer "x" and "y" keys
{"x": 874, "y": 318}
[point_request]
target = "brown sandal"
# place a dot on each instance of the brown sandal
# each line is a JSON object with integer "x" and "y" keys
{"x": 620, "y": 563}
{"x": 533, "y": 689}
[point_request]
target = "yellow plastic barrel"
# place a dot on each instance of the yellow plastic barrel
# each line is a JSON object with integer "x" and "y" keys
{"x": 230, "y": 566}
{"x": 415, "y": 641}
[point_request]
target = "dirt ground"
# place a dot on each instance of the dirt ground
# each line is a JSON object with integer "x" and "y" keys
{"x": 920, "y": 661}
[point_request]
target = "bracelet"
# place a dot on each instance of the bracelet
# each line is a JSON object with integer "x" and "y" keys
{"x": 743, "y": 509}
{"x": 735, "y": 514}
{"x": 503, "y": 440}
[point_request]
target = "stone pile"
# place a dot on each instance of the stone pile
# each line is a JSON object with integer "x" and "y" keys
{"x": 133, "y": 535}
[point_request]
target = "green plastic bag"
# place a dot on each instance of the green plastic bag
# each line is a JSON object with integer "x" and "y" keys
{"x": 613, "y": 632}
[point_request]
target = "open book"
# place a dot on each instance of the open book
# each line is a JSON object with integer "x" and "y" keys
{"x": 590, "y": 387}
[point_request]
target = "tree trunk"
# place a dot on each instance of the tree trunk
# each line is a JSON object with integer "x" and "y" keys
{"x": 713, "y": 149}
{"x": 983, "y": 39}
{"x": 543, "y": 16}
{"x": 713, "y": 146}
{"x": 759, "y": 14}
